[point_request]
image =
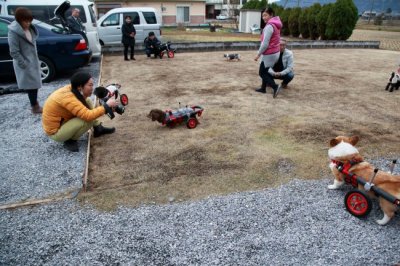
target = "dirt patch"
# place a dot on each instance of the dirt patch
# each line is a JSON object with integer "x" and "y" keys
{"x": 246, "y": 140}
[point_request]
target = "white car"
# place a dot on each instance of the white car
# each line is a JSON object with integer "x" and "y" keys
{"x": 222, "y": 17}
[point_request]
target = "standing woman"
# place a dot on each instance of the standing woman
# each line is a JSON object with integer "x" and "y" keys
{"x": 128, "y": 37}
{"x": 22, "y": 36}
{"x": 269, "y": 49}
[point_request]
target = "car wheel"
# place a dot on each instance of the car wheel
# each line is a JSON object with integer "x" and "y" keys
{"x": 47, "y": 69}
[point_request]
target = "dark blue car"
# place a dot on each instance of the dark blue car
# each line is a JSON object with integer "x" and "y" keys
{"x": 58, "y": 49}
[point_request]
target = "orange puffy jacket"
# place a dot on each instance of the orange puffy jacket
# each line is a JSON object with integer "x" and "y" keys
{"x": 61, "y": 106}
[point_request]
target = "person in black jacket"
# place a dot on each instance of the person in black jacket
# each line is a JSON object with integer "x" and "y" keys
{"x": 152, "y": 45}
{"x": 75, "y": 24}
{"x": 128, "y": 37}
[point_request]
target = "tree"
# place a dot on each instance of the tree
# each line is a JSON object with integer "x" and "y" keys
{"x": 322, "y": 19}
{"x": 342, "y": 20}
{"x": 312, "y": 20}
{"x": 252, "y": 4}
{"x": 303, "y": 23}
{"x": 285, "y": 21}
{"x": 294, "y": 21}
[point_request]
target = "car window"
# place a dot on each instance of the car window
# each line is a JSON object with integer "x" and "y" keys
{"x": 92, "y": 14}
{"x": 150, "y": 17}
{"x": 3, "y": 29}
{"x": 82, "y": 14}
{"x": 134, "y": 15}
{"x": 111, "y": 20}
{"x": 42, "y": 13}
{"x": 52, "y": 28}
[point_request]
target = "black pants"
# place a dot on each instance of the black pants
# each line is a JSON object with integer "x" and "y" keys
{"x": 32, "y": 95}
{"x": 155, "y": 51}
{"x": 267, "y": 79}
{"x": 126, "y": 47}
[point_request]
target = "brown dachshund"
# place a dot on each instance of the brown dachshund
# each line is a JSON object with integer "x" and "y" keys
{"x": 157, "y": 115}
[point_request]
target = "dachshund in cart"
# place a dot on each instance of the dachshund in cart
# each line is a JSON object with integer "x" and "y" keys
{"x": 344, "y": 154}
{"x": 171, "y": 118}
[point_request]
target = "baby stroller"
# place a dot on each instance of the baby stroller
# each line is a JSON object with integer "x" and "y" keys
{"x": 165, "y": 48}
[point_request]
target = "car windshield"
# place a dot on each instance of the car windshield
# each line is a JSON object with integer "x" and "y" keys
{"x": 49, "y": 27}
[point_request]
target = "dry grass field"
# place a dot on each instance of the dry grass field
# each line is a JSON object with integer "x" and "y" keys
{"x": 246, "y": 140}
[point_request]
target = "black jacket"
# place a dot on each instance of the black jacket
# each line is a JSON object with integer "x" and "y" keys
{"x": 127, "y": 29}
{"x": 148, "y": 43}
{"x": 75, "y": 25}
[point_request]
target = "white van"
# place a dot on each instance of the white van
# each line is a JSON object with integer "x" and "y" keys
{"x": 145, "y": 19}
{"x": 44, "y": 11}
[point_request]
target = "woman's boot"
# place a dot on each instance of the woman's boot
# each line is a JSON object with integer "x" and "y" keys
{"x": 100, "y": 130}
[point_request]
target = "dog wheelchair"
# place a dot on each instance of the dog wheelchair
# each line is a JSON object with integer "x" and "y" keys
{"x": 165, "y": 48}
{"x": 357, "y": 202}
{"x": 394, "y": 81}
{"x": 188, "y": 115}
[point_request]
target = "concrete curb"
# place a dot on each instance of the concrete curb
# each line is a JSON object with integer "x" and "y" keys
{"x": 229, "y": 46}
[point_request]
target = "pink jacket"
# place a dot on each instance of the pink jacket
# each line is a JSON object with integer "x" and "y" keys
{"x": 273, "y": 46}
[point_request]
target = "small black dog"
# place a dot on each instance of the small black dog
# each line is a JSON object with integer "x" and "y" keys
{"x": 230, "y": 57}
{"x": 394, "y": 81}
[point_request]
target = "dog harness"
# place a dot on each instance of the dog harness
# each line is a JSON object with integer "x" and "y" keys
{"x": 344, "y": 168}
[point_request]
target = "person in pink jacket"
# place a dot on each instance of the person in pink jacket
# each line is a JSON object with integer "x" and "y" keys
{"x": 269, "y": 50}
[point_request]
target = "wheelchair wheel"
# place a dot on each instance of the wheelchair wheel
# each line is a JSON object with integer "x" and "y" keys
{"x": 171, "y": 54}
{"x": 124, "y": 99}
{"x": 161, "y": 54}
{"x": 192, "y": 123}
{"x": 358, "y": 203}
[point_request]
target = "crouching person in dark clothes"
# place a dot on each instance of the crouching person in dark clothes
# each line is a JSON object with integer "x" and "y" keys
{"x": 68, "y": 112}
{"x": 283, "y": 69}
{"x": 152, "y": 45}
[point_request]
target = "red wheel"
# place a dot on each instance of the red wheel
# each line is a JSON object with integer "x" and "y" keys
{"x": 171, "y": 54}
{"x": 192, "y": 123}
{"x": 358, "y": 203}
{"x": 124, "y": 99}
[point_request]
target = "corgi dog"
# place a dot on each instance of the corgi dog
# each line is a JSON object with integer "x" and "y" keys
{"x": 342, "y": 150}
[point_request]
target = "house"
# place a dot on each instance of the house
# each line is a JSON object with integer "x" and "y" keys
{"x": 227, "y": 8}
{"x": 173, "y": 12}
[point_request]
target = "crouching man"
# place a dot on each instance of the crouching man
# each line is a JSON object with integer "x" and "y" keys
{"x": 152, "y": 45}
{"x": 68, "y": 113}
{"x": 283, "y": 69}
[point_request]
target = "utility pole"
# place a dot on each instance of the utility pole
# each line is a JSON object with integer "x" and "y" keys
{"x": 370, "y": 13}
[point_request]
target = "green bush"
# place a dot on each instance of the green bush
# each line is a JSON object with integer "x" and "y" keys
{"x": 322, "y": 19}
{"x": 285, "y": 21}
{"x": 378, "y": 20}
{"x": 342, "y": 20}
{"x": 294, "y": 21}
{"x": 303, "y": 23}
{"x": 312, "y": 21}
{"x": 252, "y": 4}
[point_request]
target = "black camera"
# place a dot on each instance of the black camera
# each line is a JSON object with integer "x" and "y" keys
{"x": 112, "y": 90}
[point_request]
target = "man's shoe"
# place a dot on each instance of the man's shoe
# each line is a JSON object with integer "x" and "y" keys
{"x": 126, "y": 59}
{"x": 284, "y": 86}
{"x": 276, "y": 91}
{"x": 100, "y": 130}
{"x": 261, "y": 90}
{"x": 133, "y": 58}
{"x": 36, "y": 109}
{"x": 71, "y": 145}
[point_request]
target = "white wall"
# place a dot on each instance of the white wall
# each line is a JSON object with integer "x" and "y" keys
{"x": 247, "y": 19}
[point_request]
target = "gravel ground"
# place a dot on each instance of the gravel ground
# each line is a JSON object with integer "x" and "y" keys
{"x": 32, "y": 165}
{"x": 300, "y": 223}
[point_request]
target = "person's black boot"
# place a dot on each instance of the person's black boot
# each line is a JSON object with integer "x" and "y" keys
{"x": 100, "y": 130}
{"x": 71, "y": 145}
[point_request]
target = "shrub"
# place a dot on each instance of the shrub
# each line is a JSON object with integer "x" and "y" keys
{"x": 285, "y": 21}
{"x": 342, "y": 20}
{"x": 312, "y": 21}
{"x": 378, "y": 20}
{"x": 322, "y": 19}
{"x": 303, "y": 24}
{"x": 294, "y": 21}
